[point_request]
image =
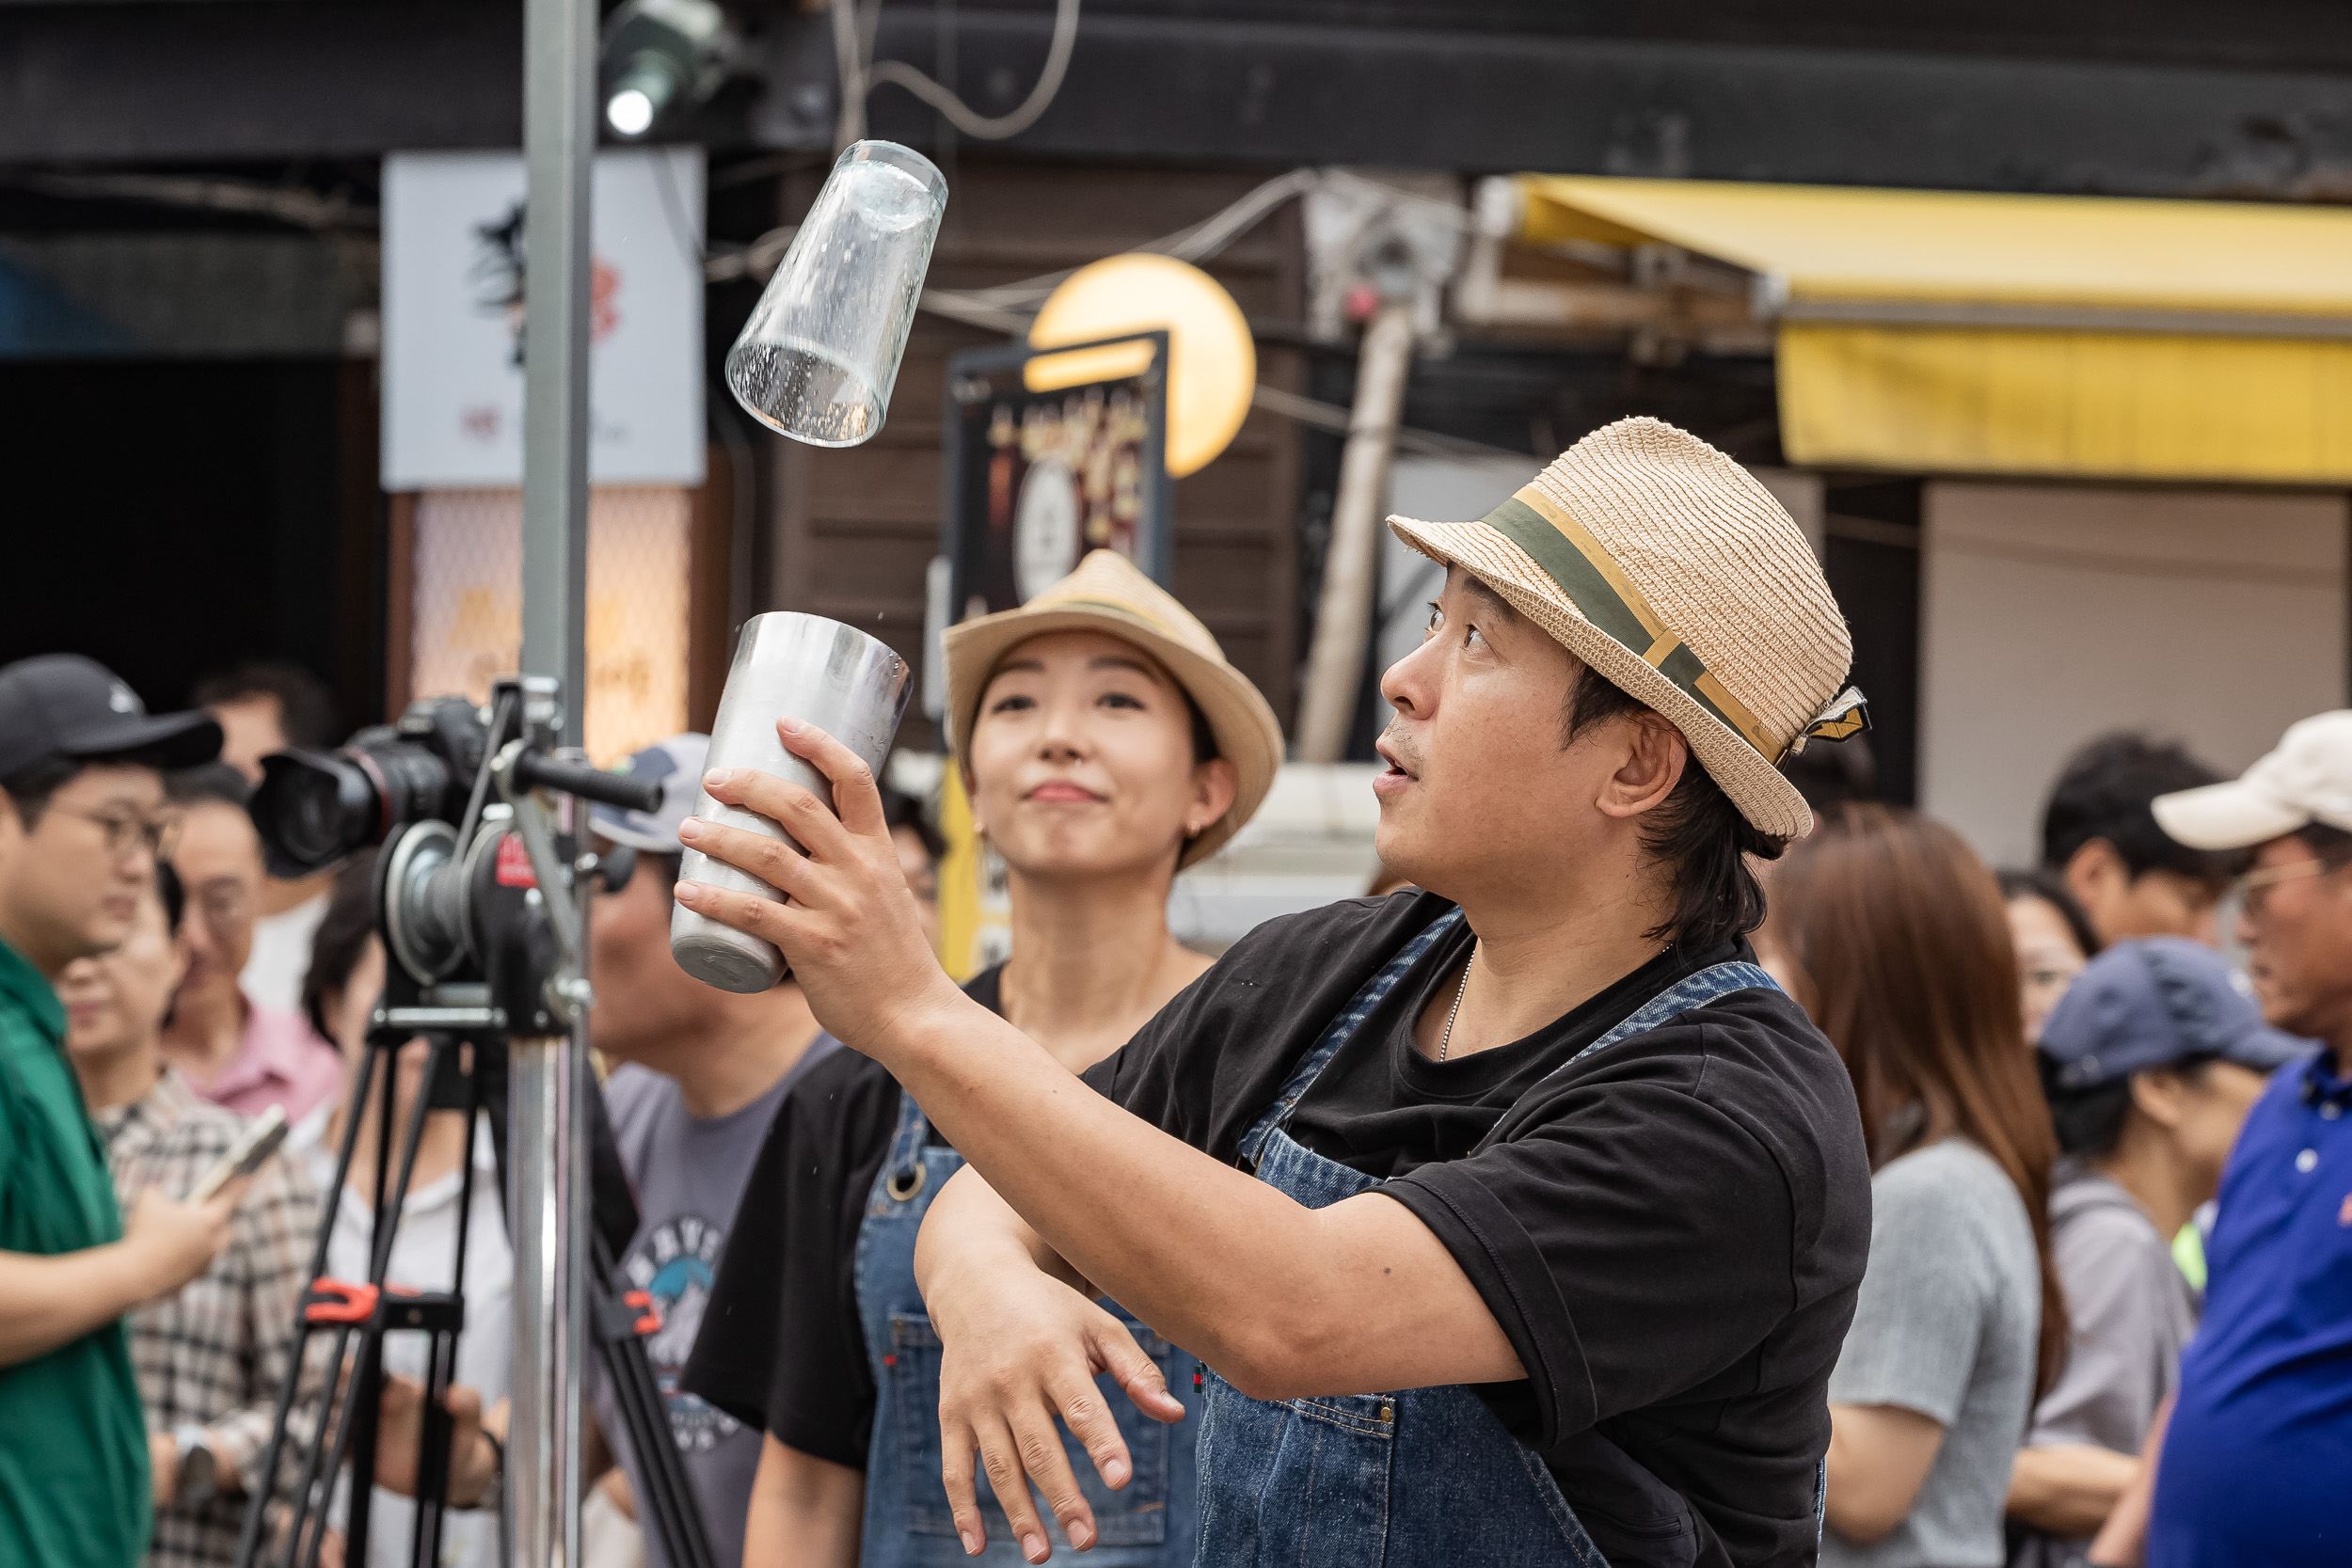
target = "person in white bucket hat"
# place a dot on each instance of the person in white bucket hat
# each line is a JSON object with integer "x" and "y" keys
{"x": 1515, "y": 1217}
{"x": 2252, "y": 1466}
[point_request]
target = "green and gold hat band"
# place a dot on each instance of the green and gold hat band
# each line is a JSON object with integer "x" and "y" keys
{"x": 1605, "y": 596}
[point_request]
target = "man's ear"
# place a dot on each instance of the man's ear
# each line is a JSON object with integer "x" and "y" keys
{"x": 2157, "y": 1094}
{"x": 2093, "y": 871}
{"x": 1651, "y": 757}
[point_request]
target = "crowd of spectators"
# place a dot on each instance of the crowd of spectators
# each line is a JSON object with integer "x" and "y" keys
{"x": 2106, "y": 1319}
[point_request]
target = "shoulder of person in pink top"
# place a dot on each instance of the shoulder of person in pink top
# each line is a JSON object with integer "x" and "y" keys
{"x": 283, "y": 1063}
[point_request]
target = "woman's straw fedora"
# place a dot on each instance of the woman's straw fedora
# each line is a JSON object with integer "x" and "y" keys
{"x": 1667, "y": 569}
{"x": 1108, "y": 594}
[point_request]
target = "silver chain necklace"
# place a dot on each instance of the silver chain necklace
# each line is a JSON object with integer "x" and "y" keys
{"x": 1455, "y": 1011}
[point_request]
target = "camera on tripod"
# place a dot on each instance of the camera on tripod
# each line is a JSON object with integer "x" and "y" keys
{"x": 470, "y": 886}
{"x": 476, "y": 898}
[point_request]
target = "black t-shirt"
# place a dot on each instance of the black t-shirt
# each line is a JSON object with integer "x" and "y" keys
{"x": 781, "y": 1348}
{"x": 1671, "y": 1231}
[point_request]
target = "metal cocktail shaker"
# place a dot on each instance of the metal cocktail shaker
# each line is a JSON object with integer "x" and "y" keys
{"x": 787, "y": 666}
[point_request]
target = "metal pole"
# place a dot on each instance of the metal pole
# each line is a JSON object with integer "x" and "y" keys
{"x": 1335, "y": 662}
{"x": 542, "y": 1452}
{"x": 544, "y": 1154}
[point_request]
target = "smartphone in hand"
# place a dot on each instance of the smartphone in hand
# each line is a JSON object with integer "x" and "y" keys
{"x": 256, "y": 1144}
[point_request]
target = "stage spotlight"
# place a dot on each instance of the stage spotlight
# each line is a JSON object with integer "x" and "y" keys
{"x": 659, "y": 56}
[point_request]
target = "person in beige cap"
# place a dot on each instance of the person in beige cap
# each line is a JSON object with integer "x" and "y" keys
{"x": 1515, "y": 1217}
{"x": 2250, "y": 1465}
{"x": 1103, "y": 741}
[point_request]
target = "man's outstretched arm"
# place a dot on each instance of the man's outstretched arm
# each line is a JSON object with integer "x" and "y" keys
{"x": 1283, "y": 1300}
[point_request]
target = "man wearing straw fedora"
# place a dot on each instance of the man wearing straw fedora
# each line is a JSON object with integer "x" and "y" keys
{"x": 1514, "y": 1220}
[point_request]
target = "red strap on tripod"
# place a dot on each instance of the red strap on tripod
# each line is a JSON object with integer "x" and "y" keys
{"x": 642, "y": 1301}
{"x": 338, "y": 1301}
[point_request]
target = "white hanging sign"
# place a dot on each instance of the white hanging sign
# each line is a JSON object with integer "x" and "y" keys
{"x": 452, "y": 395}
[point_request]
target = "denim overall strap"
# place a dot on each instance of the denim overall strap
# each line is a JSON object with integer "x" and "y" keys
{"x": 1692, "y": 990}
{"x": 1420, "y": 1477}
{"x": 1151, "y": 1523}
{"x": 1339, "y": 1031}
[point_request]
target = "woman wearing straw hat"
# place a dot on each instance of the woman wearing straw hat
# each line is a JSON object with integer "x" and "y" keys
{"x": 1516, "y": 1220}
{"x": 1105, "y": 744}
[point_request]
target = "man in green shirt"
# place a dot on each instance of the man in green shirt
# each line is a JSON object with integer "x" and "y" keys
{"x": 82, "y": 825}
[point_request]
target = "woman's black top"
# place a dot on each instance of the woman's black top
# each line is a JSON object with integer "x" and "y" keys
{"x": 781, "y": 1348}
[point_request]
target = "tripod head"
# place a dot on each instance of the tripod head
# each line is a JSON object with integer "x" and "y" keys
{"x": 475, "y": 890}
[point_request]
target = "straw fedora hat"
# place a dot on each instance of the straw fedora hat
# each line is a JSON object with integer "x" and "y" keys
{"x": 1109, "y": 594}
{"x": 1665, "y": 567}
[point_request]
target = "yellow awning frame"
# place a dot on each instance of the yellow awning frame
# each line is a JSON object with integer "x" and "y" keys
{"x": 1952, "y": 332}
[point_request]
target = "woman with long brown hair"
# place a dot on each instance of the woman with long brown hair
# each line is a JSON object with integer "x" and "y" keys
{"x": 1895, "y": 935}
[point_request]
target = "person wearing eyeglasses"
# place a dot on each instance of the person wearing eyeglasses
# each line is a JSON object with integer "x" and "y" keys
{"x": 82, "y": 826}
{"x": 2252, "y": 1464}
{"x": 234, "y": 1049}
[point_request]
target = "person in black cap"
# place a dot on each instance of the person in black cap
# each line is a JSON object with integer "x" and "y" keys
{"x": 2151, "y": 1061}
{"x": 82, "y": 826}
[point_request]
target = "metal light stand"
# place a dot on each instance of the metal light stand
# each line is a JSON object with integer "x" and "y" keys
{"x": 549, "y": 1070}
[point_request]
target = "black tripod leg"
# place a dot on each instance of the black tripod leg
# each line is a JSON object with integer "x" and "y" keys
{"x": 358, "y": 1438}
{"x": 432, "y": 1442}
{"x": 670, "y": 1499}
{"x": 368, "y": 1392}
{"x": 265, "y": 1482}
{"x": 669, "y": 1494}
{"x": 433, "y": 1455}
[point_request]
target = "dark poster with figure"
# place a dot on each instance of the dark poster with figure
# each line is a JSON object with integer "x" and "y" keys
{"x": 1051, "y": 453}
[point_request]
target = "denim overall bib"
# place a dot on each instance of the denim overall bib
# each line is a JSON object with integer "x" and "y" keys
{"x": 1149, "y": 1522}
{"x": 1427, "y": 1476}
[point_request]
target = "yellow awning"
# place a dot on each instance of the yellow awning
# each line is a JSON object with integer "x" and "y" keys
{"x": 1952, "y": 332}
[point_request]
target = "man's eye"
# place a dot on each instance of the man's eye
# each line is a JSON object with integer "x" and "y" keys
{"x": 1472, "y": 634}
{"x": 1437, "y": 619}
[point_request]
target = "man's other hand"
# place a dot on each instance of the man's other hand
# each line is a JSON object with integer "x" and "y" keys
{"x": 1018, "y": 1350}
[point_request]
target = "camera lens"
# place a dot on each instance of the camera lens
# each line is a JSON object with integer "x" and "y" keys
{"x": 312, "y": 809}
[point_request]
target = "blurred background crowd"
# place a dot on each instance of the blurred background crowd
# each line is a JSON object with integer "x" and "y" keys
{"x": 2055, "y": 1063}
{"x": 2038, "y": 322}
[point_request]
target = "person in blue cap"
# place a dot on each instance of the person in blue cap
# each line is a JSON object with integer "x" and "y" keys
{"x": 2150, "y": 1062}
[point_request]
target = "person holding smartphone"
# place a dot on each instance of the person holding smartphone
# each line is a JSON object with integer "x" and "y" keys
{"x": 83, "y": 826}
{"x": 211, "y": 1354}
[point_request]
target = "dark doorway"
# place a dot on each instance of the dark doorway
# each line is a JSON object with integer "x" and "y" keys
{"x": 170, "y": 518}
{"x": 1872, "y": 563}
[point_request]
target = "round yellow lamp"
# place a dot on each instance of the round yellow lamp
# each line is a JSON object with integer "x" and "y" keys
{"x": 1212, "y": 365}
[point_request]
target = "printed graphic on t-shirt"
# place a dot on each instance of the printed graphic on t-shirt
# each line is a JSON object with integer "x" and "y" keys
{"x": 673, "y": 1263}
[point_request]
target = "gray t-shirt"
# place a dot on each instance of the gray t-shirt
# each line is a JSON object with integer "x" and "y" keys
{"x": 2128, "y": 1311}
{"x": 1947, "y": 1325}
{"x": 689, "y": 1174}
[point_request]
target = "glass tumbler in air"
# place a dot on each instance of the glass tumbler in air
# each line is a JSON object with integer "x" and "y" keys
{"x": 817, "y": 358}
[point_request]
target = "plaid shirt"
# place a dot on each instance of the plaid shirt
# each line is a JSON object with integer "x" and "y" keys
{"x": 215, "y": 1354}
